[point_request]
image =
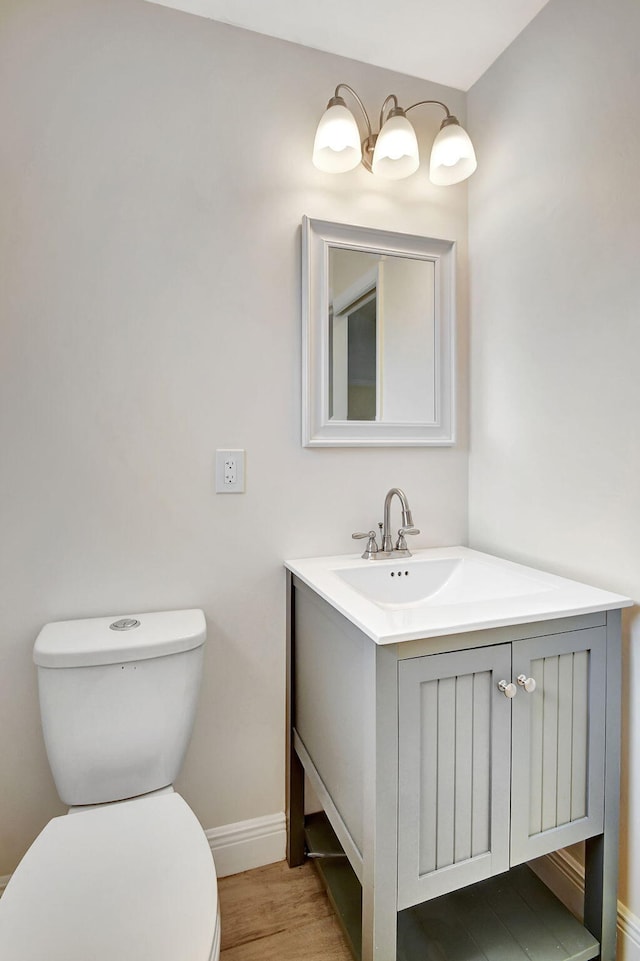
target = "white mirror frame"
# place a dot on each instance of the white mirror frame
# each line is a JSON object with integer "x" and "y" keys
{"x": 318, "y": 430}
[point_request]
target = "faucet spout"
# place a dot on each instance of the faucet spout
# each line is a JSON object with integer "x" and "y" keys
{"x": 407, "y": 519}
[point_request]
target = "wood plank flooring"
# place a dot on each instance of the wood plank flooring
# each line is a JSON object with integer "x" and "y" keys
{"x": 277, "y": 913}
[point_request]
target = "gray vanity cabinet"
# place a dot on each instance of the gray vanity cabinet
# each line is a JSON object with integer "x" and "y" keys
{"x": 438, "y": 787}
{"x": 487, "y": 782}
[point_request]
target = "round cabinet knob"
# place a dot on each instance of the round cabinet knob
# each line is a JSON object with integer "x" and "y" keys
{"x": 509, "y": 690}
{"x": 528, "y": 683}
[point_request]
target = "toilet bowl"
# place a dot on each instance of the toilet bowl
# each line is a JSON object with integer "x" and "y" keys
{"x": 127, "y": 878}
{"x": 131, "y": 880}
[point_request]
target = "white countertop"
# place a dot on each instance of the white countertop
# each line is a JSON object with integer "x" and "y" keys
{"x": 482, "y": 592}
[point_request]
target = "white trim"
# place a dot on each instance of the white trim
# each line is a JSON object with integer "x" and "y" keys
{"x": 318, "y": 236}
{"x": 628, "y": 934}
{"x": 248, "y": 844}
{"x": 564, "y": 875}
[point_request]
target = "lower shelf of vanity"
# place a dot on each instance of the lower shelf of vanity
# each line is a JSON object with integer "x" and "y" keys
{"x": 510, "y": 917}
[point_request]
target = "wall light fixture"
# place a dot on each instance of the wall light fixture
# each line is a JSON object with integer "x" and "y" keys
{"x": 393, "y": 151}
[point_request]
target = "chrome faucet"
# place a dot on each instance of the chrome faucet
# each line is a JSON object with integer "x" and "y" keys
{"x": 407, "y": 523}
{"x": 372, "y": 552}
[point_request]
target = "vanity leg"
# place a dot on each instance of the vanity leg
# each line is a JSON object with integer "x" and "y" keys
{"x": 600, "y": 902}
{"x": 380, "y": 855}
{"x": 294, "y": 769}
{"x": 295, "y": 811}
{"x": 601, "y": 852}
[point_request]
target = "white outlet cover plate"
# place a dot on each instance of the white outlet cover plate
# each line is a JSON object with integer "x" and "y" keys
{"x": 238, "y": 486}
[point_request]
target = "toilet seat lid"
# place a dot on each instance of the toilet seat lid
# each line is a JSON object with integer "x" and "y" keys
{"x": 133, "y": 880}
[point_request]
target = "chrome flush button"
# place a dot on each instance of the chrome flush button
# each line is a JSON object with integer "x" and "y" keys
{"x": 124, "y": 624}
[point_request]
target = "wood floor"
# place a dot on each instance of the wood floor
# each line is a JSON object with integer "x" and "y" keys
{"x": 277, "y": 913}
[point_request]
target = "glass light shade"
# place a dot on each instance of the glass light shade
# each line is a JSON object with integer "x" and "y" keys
{"x": 396, "y": 151}
{"x": 452, "y": 156}
{"x": 336, "y": 148}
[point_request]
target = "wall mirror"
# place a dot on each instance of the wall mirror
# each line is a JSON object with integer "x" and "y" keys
{"x": 378, "y": 337}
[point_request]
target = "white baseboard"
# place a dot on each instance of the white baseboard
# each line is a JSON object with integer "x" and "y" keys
{"x": 565, "y": 876}
{"x": 248, "y": 844}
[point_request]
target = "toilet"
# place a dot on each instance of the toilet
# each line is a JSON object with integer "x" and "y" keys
{"x": 127, "y": 873}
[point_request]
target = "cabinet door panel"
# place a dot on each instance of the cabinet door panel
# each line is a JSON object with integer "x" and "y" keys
{"x": 454, "y": 730}
{"x": 558, "y": 742}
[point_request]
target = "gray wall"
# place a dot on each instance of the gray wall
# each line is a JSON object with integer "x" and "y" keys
{"x": 155, "y": 168}
{"x": 555, "y": 279}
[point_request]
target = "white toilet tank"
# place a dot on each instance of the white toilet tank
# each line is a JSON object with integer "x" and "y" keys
{"x": 118, "y": 698}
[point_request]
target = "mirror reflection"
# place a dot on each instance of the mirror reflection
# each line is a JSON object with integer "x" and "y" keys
{"x": 381, "y": 337}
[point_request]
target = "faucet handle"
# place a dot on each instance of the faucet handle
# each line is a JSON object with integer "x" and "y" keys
{"x": 372, "y": 546}
{"x": 401, "y": 544}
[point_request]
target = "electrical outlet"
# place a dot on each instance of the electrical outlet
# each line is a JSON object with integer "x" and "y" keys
{"x": 230, "y": 472}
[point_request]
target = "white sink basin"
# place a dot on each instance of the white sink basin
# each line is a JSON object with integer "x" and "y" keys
{"x": 444, "y": 591}
{"x": 396, "y": 583}
{"x": 432, "y": 581}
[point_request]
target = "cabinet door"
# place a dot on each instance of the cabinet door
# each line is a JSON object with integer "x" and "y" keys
{"x": 454, "y": 757}
{"x": 558, "y": 742}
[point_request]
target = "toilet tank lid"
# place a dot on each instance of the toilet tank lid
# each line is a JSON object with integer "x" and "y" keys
{"x": 112, "y": 640}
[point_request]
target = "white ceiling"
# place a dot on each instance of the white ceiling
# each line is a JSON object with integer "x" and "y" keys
{"x": 451, "y": 42}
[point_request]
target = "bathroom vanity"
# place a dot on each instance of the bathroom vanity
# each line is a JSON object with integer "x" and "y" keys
{"x": 457, "y": 716}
